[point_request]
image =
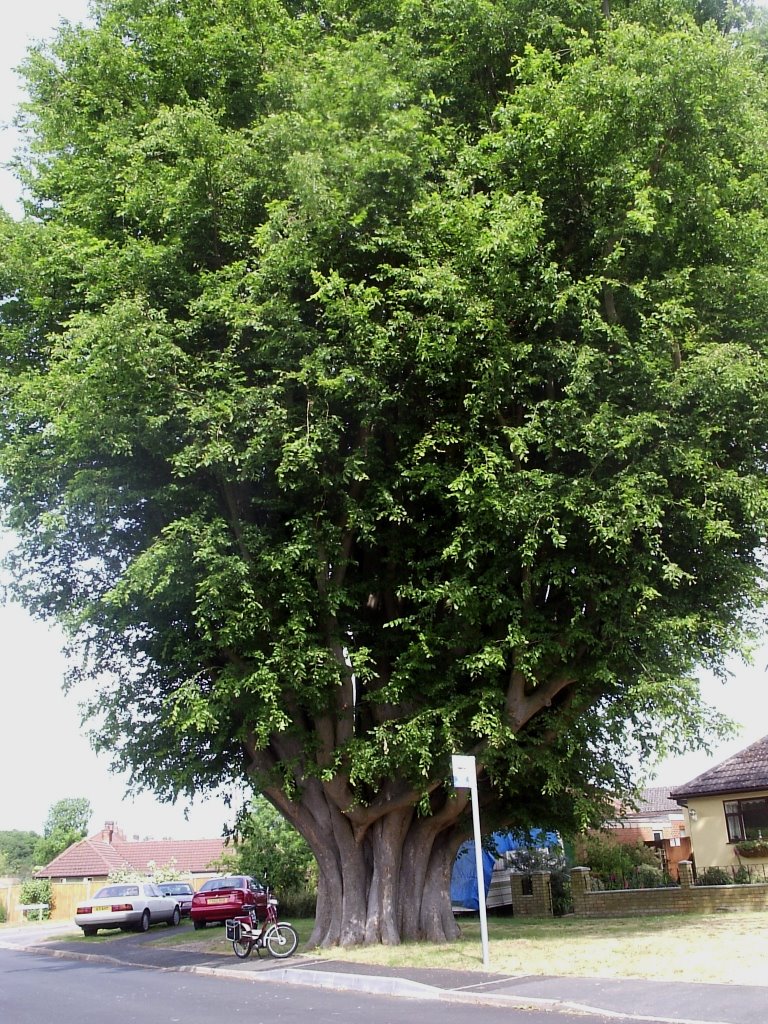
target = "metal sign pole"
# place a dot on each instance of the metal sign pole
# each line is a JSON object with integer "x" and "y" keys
{"x": 465, "y": 777}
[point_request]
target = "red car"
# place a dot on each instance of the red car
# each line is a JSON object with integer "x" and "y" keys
{"x": 221, "y": 898}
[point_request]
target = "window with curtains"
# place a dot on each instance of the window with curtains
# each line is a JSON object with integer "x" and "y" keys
{"x": 746, "y": 819}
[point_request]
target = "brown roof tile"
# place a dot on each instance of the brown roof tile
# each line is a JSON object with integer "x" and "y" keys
{"x": 95, "y": 857}
{"x": 743, "y": 773}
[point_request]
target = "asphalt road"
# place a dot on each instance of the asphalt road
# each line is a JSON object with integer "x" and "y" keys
{"x": 40, "y": 989}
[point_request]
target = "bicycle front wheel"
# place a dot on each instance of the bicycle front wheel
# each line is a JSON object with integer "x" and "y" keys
{"x": 242, "y": 948}
{"x": 281, "y": 940}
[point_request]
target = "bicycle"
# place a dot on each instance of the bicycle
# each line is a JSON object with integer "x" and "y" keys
{"x": 278, "y": 937}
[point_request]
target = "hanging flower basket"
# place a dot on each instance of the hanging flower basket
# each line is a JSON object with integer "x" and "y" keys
{"x": 752, "y": 848}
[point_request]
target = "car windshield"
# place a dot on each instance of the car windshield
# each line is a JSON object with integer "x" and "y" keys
{"x": 223, "y": 883}
{"x": 175, "y": 889}
{"x": 117, "y": 890}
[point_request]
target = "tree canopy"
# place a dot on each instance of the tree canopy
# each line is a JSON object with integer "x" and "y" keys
{"x": 17, "y": 852}
{"x": 67, "y": 822}
{"x": 384, "y": 379}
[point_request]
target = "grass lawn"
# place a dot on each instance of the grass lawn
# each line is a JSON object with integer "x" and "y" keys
{"x": 717, "y": 948}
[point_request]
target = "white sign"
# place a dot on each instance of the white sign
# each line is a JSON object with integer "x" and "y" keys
{"x": 463, "y": 768}
{"x": 465, "y": 777}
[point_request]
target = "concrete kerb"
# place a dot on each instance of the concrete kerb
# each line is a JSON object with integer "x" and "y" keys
{"x": 372, "y": 984}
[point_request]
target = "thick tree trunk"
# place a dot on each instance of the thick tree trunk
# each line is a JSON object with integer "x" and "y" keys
{"x": 386, "y": 883}
{"x": 384, "y": 872}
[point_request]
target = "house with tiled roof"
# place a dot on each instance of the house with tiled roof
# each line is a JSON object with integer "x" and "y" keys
{"x": 657, "y": 821}
{"x": 94, "y": 858}
{"x": 726, "y": 808}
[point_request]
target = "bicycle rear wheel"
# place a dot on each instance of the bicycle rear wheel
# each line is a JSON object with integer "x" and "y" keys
{"x": 242, "y": 948}
{"x": 281, "y": 940}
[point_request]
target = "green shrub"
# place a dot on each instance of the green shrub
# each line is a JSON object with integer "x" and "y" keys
{"x": 618, "y": 865}
{"x": 298, "y": 902}
{"x": 648, "y": 876}
{"x": 3, "y": 914}
{"x": 562, "y": 898}
{"x": 272, "y": 850}
{"x": 714, "y": 876}
{"x": 37, "y": 890}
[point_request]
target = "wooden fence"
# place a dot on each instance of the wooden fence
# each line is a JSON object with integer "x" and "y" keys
{"x": 66, "y": 897}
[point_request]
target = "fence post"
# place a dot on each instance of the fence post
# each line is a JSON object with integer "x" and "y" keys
{"x": 579, "y": 890}
{"x": 542, "y": 893}
{"x": 685, "y": 874}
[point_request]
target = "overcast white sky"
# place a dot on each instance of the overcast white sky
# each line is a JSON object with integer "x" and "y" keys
{"x": 43, "y": 755}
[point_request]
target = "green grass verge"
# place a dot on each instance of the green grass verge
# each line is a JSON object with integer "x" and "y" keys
{"x": 727, "y": 948}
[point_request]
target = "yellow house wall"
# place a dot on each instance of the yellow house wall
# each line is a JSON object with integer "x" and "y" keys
{"x": 709, "y": 835}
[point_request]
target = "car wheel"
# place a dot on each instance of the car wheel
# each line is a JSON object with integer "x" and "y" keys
{"x": 175, "y": 918}
{"x": 90, "y": 930}
{"x": 143, "y": 925}
{"x": 198, "y": 925}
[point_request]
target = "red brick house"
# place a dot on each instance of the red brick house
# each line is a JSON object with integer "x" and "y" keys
{"x": 94, "y": 858}
{"x": 657, "y": 822}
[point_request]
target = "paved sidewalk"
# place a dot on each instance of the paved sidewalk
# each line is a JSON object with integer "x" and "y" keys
{"x": 625, "y": 999}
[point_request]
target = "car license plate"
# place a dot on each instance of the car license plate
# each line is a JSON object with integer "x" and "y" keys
{"x": 102, "y": 907}
{"x": 218, "y": 899}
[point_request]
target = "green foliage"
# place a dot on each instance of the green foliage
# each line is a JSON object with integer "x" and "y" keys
{"x": 752, "y": 848}
{"x": 388, "y": 380}
{"x": 273, "y": 852}
{"x": 17, "y": 852}
{"x": 67, "y": 822}
{"x": 613, "y": 863}
{"x": 714, "y": 876}
{"x": 649, "y": 876}
{"x": 3, "y": 913}
{"x": 37, "y": 890}
{"x": 156, "y": 873}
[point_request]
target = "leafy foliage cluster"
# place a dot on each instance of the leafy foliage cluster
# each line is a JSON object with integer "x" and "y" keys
{"x": 67, "y": 822}
{"x": 614, "y": 864}
{"x": 17, "y": 852}
{"x": 272, "y": 851}
{"x": 37, "y": 890}
{"x": 167, "y": 872}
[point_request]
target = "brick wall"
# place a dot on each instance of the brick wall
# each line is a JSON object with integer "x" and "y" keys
{"x": 537, "y": 904}
{"x": 685, "y": 899}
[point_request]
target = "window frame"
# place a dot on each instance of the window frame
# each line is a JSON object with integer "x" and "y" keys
{"x": 735, "y": 824}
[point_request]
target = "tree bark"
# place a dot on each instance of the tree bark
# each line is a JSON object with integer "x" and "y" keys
{"x": 384, "y": 883}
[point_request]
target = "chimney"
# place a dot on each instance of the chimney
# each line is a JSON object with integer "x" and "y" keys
{"x": 108, "y": 831}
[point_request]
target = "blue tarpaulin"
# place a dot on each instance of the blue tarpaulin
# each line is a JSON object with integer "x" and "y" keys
{"x": 464, "y": 876}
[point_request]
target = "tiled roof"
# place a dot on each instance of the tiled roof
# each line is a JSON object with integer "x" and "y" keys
{"x": 651, "y": 803}
{"x": 656, "y": 800}
{"x": 95, "y": 857}
{"x": 743, "y": 773}
{"x": 86, "y": 858}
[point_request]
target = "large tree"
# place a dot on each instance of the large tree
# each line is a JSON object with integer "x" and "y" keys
{"x": 67, "y": 822}
{"x": 17, "y": 852}
{"x": 383, "y": 379}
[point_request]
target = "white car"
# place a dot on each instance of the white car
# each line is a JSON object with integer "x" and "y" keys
{"x": 126, "y": 905}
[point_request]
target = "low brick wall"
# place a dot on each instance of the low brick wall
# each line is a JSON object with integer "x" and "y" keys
{"x": 535, "y": 904}
{"x": 687, "y": 899}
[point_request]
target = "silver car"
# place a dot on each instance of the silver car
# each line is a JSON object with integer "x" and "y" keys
{"x": 182, "y": 892}
{"x": 127, "y": 905}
